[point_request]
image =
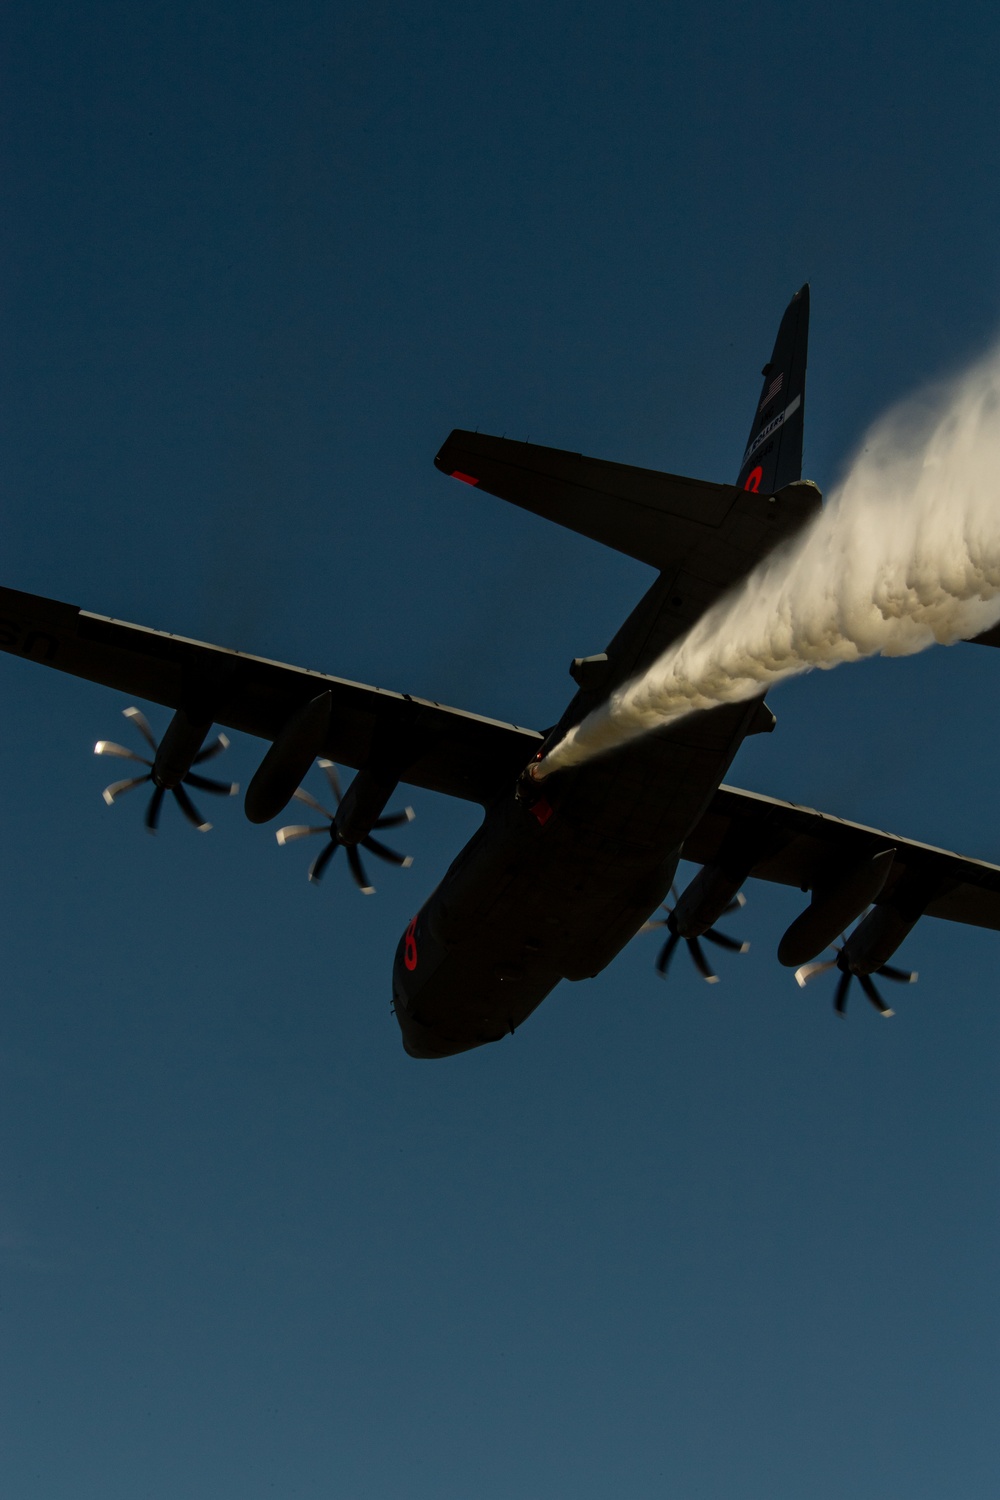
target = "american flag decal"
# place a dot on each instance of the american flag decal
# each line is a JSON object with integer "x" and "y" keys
{"x": 772, "y": 390}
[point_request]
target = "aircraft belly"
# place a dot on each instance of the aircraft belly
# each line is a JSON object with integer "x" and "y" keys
{"x": 539, "y": 929}
{"x": 537, "y": 896}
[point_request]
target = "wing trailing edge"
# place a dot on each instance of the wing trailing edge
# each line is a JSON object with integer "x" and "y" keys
{"x": 417, "y": 741}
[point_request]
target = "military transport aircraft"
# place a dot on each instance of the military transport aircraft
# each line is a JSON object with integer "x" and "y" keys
{"x": 562, "y": 873}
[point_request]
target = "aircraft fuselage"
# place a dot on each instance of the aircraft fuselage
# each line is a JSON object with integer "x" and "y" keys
{"x": 553, "y": 886}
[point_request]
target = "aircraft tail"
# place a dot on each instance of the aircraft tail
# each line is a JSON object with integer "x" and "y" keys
{"x": 773, "y": 456}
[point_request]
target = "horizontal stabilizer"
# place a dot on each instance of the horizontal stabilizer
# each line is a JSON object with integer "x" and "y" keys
{"x": 659, "y": 519}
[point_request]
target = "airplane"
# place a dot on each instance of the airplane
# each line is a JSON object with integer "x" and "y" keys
{"x": 561, "y": 873}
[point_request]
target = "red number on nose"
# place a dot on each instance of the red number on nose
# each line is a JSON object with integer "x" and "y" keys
{"x": 410, "y": 946}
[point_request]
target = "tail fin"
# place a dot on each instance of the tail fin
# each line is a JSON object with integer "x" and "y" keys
{"x": 774, "y": 449}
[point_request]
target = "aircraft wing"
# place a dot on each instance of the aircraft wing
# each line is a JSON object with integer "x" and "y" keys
{"x": 798, "y": 846}
{"x": 428, "y": 745}
{"x": 447, "y": 750}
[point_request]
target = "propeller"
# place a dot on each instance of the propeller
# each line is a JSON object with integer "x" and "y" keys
{"x": 373, "y": 846}
{"x": 887, "y": 971}
{"x": 697, "y": 952}
{"x": 202, "y": 783}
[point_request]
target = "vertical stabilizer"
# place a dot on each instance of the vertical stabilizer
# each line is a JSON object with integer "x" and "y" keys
{"x": 773, "y": 456}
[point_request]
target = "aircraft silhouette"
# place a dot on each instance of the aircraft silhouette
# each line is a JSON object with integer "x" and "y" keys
{"x": 560, "y": 874}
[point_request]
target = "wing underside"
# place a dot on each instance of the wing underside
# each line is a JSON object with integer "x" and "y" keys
{"x": 799, "y": 847}
{"x": 447, "y": 750}
{"x": 422, "y": 743}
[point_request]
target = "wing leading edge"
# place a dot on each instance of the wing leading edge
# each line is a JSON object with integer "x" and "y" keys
{"x": 440, "y": 749}
{"x": 799, "y": 846}
{"x": 422, "y": 743}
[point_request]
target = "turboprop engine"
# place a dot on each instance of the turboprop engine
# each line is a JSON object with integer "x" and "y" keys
{"x": 876, "y": 938}
{"x": 713, "y": 893}
{"x": 350, "y": 824}
{"x": 873, "y": 942}
{"x": 172, "y": 765}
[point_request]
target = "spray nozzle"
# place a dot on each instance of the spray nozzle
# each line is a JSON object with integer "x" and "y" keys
{"x": 528, "y": 782}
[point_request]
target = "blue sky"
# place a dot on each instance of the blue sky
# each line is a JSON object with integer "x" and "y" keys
{"x": 669, "y": 1239}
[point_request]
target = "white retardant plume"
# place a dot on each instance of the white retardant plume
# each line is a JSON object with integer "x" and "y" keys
{"x": 905, "y": 553}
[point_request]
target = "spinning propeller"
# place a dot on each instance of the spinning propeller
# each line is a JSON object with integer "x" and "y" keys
{"x": 337, "y": 840}
{"x": 697, "y": 952}
{"x": 160, "y": 788}
{"x": 887, "y": 971}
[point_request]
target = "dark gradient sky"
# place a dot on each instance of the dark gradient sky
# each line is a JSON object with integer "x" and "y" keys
{"x": 668, "y": 1240}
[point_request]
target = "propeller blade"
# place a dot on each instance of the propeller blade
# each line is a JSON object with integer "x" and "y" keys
{"x": 809, "y": 971}
{"x": 117, "y": 787}
{"x": 330, "y": 771}
{"x": 358, "y": 871}
{"x": 211, "y": 751}
{"x": 298, "y": 831}
{"x": 722, "y": 941}
{"x": 873, "y": 995}
{"x": 737, "y": 904}
{"x": 651, "y": 926}
{"x": 666, "y": 954}
{"x": 153, "y": 810}
{"x": 310, "y": 801}
{"x": 208, "y": 784}
{"x": 901, "y": 976}
{"x": 404, "y": 861}
{"x": 321, "y": 861}
{"x": 142, "y": 724}
{"x": 189, "y": 810}
{"x": 108, "y": 747}
{"x": 395, "y": 819}
{"x": 840, "y": 998}
{"x": 701, "y": 963}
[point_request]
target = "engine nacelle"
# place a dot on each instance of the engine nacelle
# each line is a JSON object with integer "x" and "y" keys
{"x": 363, "y": 804}
{"x": 289, "y": 758}
{"x": 875, "y": 940}
{"x": 176, "y": 751}
{"x": 704, "y": 901}
{"x": 834, "y": 906}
